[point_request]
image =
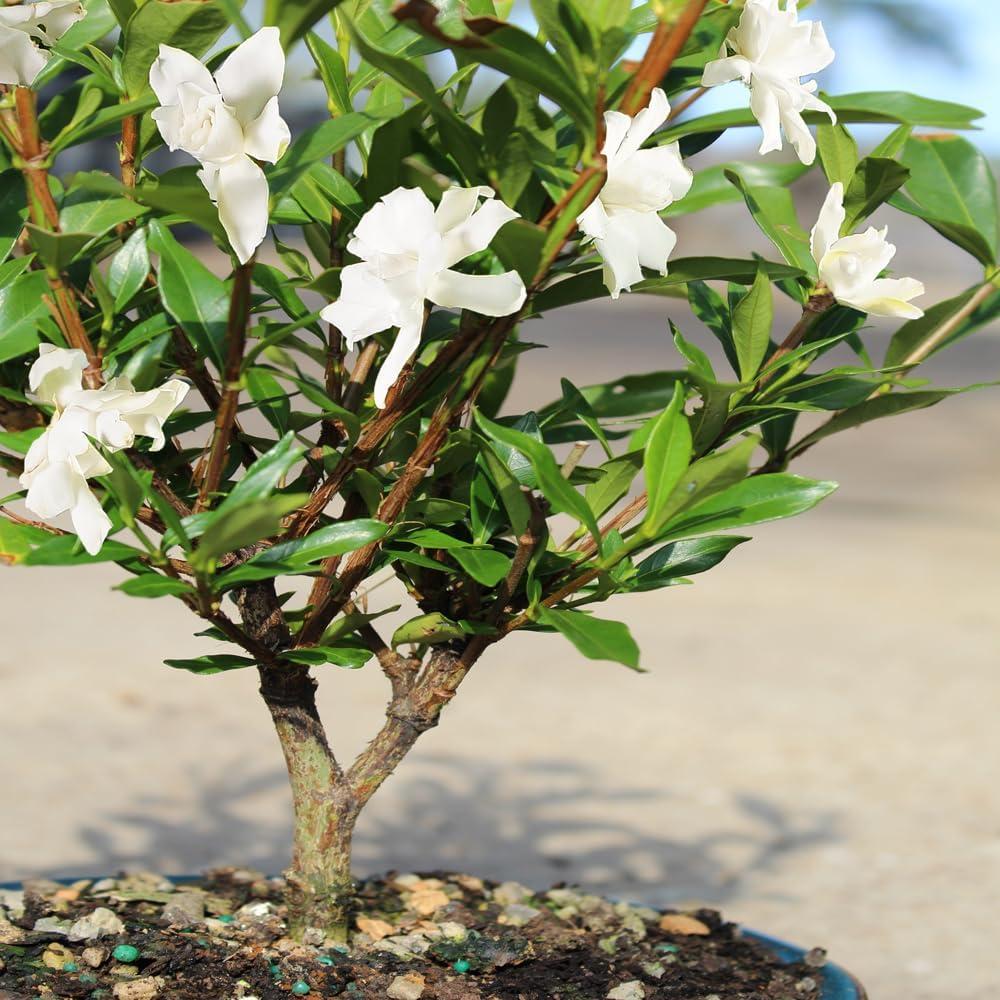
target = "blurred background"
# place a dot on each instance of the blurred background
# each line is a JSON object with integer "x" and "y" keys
{"x": 814, "y": 749}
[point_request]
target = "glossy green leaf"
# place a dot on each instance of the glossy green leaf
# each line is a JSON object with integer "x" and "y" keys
{"x": 484, "y": 565}
{"x": 154, "y": 585}
{"x": 838, "y": 152}
{"x": 595, "y": 638}
{"x": 295, "y": 19}
{"x": 667, "y": 456}
{"x": 22, "y": 305}
{"x": 237, "y": 527}
{"x": 217, "y": 664}
{"x": 753, "y": 318}
{"x": 264, "y": 476}
{"x": 555, "y": 487}
{"x": 192, "y": 25}
{"x": 684, "y": 558}
{"x": 129, "y": 269}
{"x": 195, "y": 297}
{"x": 874, "y": 182}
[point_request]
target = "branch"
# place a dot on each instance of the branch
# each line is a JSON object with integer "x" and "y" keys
{"x": 664, "y": 47}
{"x": 236, "y": 335}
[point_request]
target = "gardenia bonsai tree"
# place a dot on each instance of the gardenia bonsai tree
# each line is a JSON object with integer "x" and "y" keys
{"x": 221, "y": 440}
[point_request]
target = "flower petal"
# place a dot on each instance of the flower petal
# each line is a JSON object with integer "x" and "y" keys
{"x": 826, "y": 232}
{"x": 364, "y": 306}
{"x": 766, "y": 109}
{"x": 477, "y": 232}
{"x": 57, "y": 374}
{"x": 252, "y": 74}
{"x": 457, "y": 205}
{"x": 891, "y": 297}
{"x": 21, "y": 60}
{"x": 404, "y": 347}
{"x": 644, "y": 124}
{"x": 486, "y": 294}
{"x": 401, "y": 222}
{"x": 241, "y": 192}
{"x": 619, "y": 248}
{"x": 267, "y": 136}
{"x": 171, "y": 68}
{"x": 656, "y": 241}
{"x": 90, "y": 522}
{"x": 725, "y": 70}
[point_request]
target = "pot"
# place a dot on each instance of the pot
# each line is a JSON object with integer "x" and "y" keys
{"x": 837, "y": 983}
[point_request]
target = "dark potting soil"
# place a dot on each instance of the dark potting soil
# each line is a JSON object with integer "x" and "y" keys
{"x": 434, "y": 937}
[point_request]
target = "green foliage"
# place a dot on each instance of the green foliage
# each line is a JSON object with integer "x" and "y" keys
{"x": 279, "y": 475}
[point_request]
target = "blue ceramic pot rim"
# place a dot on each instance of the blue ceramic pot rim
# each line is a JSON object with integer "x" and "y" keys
{"x": 838, "y": 983}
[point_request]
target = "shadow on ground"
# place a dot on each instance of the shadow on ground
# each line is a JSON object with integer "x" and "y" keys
{"x": 553, "y": 822}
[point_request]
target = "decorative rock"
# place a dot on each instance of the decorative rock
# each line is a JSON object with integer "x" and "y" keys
{"x": 681, "y": 923}
{"x": 9, "y": 934}
{"x": 406, "y": 881}
{"x": 258, "y": 911}
{"x": 13, "y": 900}
{"x": 462, "y": 966}
{"x": 184, "y": 909}
{"x": 470, "y": 883}
{"x": 632, "y": 990}
{"x": 300, "y": 987}
{"x": 52, "y": 925}
{"x": 511, "y": 892}
{"x": 56, "y": 956}
{"x": 101, "y": 923}
{"x": 375, "y": 929}
{"x": 452, "y": 931}
{"x": 313, "y": 936}
{"x": 655, "y": 970}
{"x": 815, "y": 958}
{"x": 103, "y": 885}
{"x": 408, "y": 987}
{"x": 427, "y": 901}
{"x": 517, "y": 915}
{"x": 806, "y": 985}
{"x": 94, "y": 957}
{"x": 125, "y": 953}
{"x": 139, "y": 989}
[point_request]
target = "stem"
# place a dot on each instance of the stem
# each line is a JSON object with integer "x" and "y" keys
{"x": 236, "y": 335}
{"x": 45, "y": 215}
{"x": 664, "y": 47}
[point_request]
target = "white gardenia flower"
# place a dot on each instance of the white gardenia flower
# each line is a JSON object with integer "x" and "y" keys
{"x": 624, "y": 219}
{"x": 850, "y": 266}
{"x": 770, "y": 51}
{"x": 407, "y": 250}
{"x": 23, "y": 31}
{"x": 227, "y": 123}
{"x": 63, "y": 458}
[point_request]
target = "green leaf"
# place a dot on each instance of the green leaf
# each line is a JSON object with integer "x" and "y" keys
{"x": 880, "y": 107}
{"x": 753, "y": 318}
{"x": 350, "y": 657}
{"x": 22, "y": 305}
{"x": 195, "y": 297}
{"x": 874, "y": 182}
{"x": 556, "y": 489}
{"x": 58, "y": 250}
{"x": 616, "y": 480}
{"x": 236, "y": 527}
{"x": 13, "y": 202}
{"x": 684, "y": 558}
{"x": 154, "y": 585}
{"x": 667, "y": 456}
{"x": 484, "y": 565}
{"x": 712, "y": 187}
{"x": 838, "y": 152}
{"x": 86, "y": 211}
{"x": 265, "y": 475}
{"x": 952, "y": 187}
{"x": 295, "y": 19}
{"x": 192, "y": 25}
{"x": 752, "y": 501}
{"x": 317, "y": 144}
{"x": 332, "y": 72}
{"x": 773, "y": 209}
{"x": 300, "y": 555}
{"x": 595, "y": 638}
{"x": 17, "y": 541}
{"x": 509, "y": 490}
{"x": 590, "y": 284}
{"x": 68, "y": 550}
{"x": 427, "y": 630}
{"x": 129, "y": 269}
{"x": 217, "y": 664}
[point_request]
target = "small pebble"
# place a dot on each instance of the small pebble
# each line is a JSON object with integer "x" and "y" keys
{"x": 511, "y": 892}
{"x": 101, "y": 923}
{"x": 408, "y": 987}
{"x": 325, "y": 960}
{"x": 300, "y": 987}
{"x": 139, "y": 989}
{"x": 668, "y": 949}
{"x": 681, "y": 923}
{"x": 815, "y": 958}
{"x": 274, "y": 969}
{"x": 70, "y": 967}
{"x": 94, "y": 957}
{"x": 632, "y": 990}
{"x": 125, "y": 953}
{"x": 56, "y": 956}
{"x": 462, "y": 966}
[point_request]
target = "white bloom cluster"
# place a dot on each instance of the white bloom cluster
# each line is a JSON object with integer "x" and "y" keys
{"x": 62, "y": 460}
{"x": 25, "y": 29}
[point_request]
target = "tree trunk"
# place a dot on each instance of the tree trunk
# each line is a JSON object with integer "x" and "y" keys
{"x": 319, "y": 879}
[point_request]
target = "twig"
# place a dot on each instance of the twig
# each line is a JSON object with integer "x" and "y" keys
{"x": 664, "y": 47}
{"x": 236, "y": 334}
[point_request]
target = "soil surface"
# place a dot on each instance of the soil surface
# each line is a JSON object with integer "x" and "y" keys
{"x": 413, "y": 937}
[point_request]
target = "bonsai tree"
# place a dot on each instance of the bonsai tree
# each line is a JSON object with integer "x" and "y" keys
{"x": 269, "y": 446}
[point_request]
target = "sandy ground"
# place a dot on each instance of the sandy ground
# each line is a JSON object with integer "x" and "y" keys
{"x": 815, "y": 748}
